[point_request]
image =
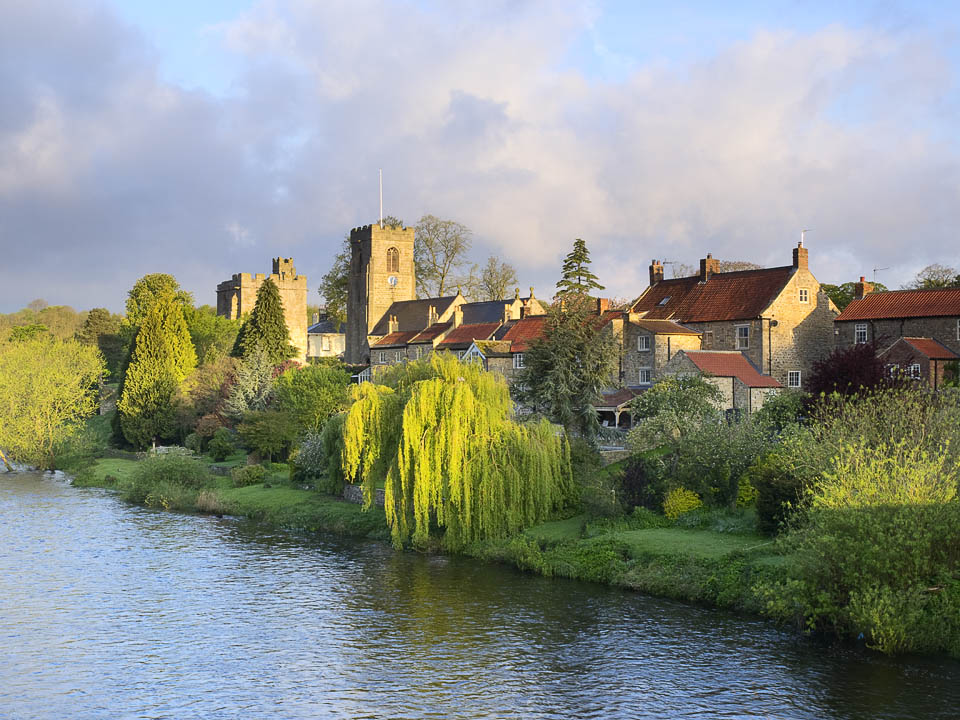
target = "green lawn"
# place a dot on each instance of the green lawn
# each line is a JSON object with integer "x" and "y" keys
{"x": 558, "y": 531}
{"x": 695, "y": 543}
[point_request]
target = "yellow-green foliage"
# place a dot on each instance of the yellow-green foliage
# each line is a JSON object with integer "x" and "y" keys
{"x": 448, "y": 452}
{"x": 746, "y": 493}
{"x": 679, "y": 501}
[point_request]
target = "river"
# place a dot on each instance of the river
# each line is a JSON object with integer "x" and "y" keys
{"x": 113, "y": 611}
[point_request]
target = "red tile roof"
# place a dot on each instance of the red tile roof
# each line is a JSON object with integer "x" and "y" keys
{"x": 395, "y": 339}
{"x": 664, "y": 327}
{"x": 616, "y": 399}
{"x": 730, "y": 363}
{"x": 740, "y": 295}
{"x": 605, "y": 317}
{"x": 525, "y": 332}
{"x": 933, "y": 349}
{"x": 466, "y": 334}
{"x": 431, "y": 332}
{"x": 896, "y": 304}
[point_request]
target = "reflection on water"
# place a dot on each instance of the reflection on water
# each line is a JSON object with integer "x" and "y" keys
{"x": 111, "y": 611}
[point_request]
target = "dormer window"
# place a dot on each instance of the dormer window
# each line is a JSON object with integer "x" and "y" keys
{"x": 393, "y": 260}
{"x": 664, "y": 301}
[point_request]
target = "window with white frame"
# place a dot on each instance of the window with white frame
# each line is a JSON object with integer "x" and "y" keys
{"x": 893, "y": 370}
{"x": 804, "y": 295}
{"x": 915, "y": 371}
{"x": 399, "y": 355}
{"x": 325, "y": 343}
{"x": 743, "y": 337}
{"x": 419, "y": 351}
{"x": 518, "y": 361}
{"x": 645, "y": 376}
{"x": 860, "y": 333}
{"x": 460, "y": 354}
{"x": 793, "y": 379}
{"x": 383, "y": 357}
{"x": 643, "y": 343}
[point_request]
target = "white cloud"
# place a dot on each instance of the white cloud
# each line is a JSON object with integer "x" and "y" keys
{"x": 472, "y": 115}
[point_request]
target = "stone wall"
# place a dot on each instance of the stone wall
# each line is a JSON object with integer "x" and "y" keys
{"x": 325, "y": 344}
{"x": 887, "y": 332}
{"x": 370, "y": 291}
{"x": 354, "y": 494}
{"x": 662, "y": 349}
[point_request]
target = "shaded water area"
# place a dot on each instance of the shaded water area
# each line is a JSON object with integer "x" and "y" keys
{"x": 112, "y": 611}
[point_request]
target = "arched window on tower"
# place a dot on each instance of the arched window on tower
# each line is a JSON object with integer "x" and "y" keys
{"x": 393, "y": 260}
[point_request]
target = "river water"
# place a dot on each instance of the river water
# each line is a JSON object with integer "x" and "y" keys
{"x": 112, "y": 611}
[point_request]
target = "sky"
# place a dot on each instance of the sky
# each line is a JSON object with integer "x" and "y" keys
{"x": 204, "y": 139}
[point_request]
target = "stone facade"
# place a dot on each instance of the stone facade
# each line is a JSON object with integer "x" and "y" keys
{"x": 381, "y": 273}
{"x": 648, "y": 349}
{"x": 886, "y": 332}
{"x": 736, "y": 394}
{"x": 237, "y": 296}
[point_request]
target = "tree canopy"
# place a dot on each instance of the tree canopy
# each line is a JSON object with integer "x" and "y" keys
{"x": 149, "y": 290}
{"x": 266, "y": 327}
{"x": 576, "y": 278}
{"x": 449, "y": 454}
{"x": 212, "y": 335}
{"x": 495, "y": 280}
{"x": 566, "y": 370}
{"x": 935, "y": 276}
{"x": 162, "y": 356}
{"x": 440, "y": 253}
{"x": 47, "y": 388}
{"x": 842, "y": 295}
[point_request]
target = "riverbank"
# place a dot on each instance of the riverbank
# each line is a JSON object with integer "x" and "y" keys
{"x": 708, "y": 558}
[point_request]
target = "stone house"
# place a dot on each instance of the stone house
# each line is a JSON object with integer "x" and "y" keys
{"x": 778, "y": 317}
{"x": 740, "y": 382}
{"x": 237, "y": 296}
{"x": 884, "y": 317}
{"x": 324, "y": 338}
{"x": 920, "y": 359}
{"x": 648, "y": 345}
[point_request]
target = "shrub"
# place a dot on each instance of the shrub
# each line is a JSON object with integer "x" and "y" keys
{"x": 746, "y": 494}
{"x": 643, "y": 484}
{"x": 679, "y": 501}
{"x": 207, "y": 426}
{"x": 268, "y": 432}
{"x": 220, "y": 445}
{"x": 163, "y": 477}
{"x": 193, "y": 442}
{"x": 248, "y": 475}
{"x": 317, "y": 461}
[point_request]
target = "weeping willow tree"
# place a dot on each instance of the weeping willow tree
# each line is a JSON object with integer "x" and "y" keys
{"x": 441, "y": 439}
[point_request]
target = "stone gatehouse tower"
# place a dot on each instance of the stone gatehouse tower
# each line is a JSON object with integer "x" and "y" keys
{"x": 237, "y": 296}
{"x": 381, "y": 273}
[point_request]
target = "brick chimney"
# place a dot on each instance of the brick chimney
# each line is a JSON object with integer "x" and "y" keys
{"x": 861, "y": 288}
{"x": 457, "y": 317}
{"x": 656, "y": 272}
{"x": 708, "y": 266}
{"x": 392, "y": 324}
{"x": 800, "y": 254}
{"x": 431, "y": 316}
{"x": 603, "y": 304}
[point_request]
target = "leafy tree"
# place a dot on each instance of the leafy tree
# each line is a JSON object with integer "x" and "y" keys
{"x": 47, "y": 388}
{"x": 311, "y": 394}
{"x": 37, "y": 305}
{"x": 842, "y": 295}
{"x": 21, "y": 333}
{"x": 848, "y": 371}
{"x": 148, "y": 291}
{"x": 252, "y": 387}
{"x": 266, "y": 327}
{"x": 213, "y": 335}
{"x": 102, "y": 329}
{"x": 440, "y": 253}
{"x": 204, "y": 393}
{"x": 451, "y": 455}
{"x": 675, "y": 407}
{"x": 576, "y": 276}
{"x": 935, "y": 276}
{"x": 162, "y": 357}
{"x": 565, "y": 371}
{"x": 268, "y": 432}
{"x": 495, "y": 280}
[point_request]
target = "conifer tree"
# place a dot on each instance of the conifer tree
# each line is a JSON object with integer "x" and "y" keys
{"x": 576, "y": 276}
{"x": 266, "y": 328}
{"x": 162, "y": 356}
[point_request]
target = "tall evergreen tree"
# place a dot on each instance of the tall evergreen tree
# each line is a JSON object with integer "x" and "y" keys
{"x": 266, "y": 328}
{"x": 576, "y": 276}
{"x": 161, "y": 358}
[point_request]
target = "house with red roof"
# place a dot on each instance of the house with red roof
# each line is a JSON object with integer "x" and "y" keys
{"x": 920, "y": 359}
{"x": 776, "y": 317}
{"x": 883, "y": 318}
{"x": 741, "y": 383}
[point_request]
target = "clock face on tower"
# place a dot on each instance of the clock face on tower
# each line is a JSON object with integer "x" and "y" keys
{"x": 392, "y": 280}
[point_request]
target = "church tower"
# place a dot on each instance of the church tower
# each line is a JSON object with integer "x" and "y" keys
{"x": 381, "y": 273}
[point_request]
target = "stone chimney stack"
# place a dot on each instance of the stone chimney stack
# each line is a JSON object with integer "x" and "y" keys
{"x": 800, "y": 254}
{"x": 861, "y": 288}
{"x": 603, "y": 304}
{"x": 457, "y": 317}
{"x": 656, "y": 272}
{"x": 316, "y": 318}
{"x": 393, "y": 325}
{"x": 431, "y": 316}
{"x": 708, "y": 266}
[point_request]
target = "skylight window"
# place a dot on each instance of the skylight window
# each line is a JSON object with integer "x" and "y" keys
{"x": 664, "y": 301}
